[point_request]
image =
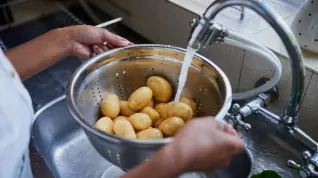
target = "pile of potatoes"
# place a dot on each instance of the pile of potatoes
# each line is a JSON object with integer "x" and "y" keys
{"x": 140, "y": 118}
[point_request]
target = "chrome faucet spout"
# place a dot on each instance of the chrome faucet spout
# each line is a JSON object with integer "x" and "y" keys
{"x": 201, "y": 35}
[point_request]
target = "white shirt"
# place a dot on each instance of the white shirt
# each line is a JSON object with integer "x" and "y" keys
{"x": 16, "y": 117}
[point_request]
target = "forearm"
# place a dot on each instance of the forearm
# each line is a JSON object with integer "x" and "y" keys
{"x": 163, "y": 164}
{"x": 39, "y": 53}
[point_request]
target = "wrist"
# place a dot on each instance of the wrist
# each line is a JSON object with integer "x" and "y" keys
{"x": 61, "y": 38}
{"x": 170, "y": 159}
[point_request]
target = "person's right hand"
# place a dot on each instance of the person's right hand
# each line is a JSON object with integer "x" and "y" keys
{"x": 205, "y": 144}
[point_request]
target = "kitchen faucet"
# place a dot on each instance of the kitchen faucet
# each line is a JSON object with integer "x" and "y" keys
{"x": 205, "y": 32}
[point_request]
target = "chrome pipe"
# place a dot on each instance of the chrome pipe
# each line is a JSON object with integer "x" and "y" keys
{"x": 269, "y": 116}
{"x": 300, "y": 135}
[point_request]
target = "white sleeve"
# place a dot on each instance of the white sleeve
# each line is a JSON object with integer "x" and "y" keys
{"x": 16, "y": 116}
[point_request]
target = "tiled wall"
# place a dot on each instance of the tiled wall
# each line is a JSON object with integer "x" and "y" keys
{"x": 244, "y": 69}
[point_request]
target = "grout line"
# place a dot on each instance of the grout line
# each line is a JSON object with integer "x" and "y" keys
{"x": 305, "y": 91}
{"x": 241, "y": 70}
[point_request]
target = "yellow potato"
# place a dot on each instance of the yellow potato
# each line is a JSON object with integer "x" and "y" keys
{"x": 161, "y": 108}
{"x": 150, "y": 133}
{"x": 190, "y": 103}
{"x": 140, "y": 98}
{"x": 158, "y": 123}
{"x": 170, "y": 126}
{"x": 179, "y": 109}
{"x": 154, "y": 115}
{"x": 123, "y": 128}
{"x": 140, "y": 121}
{"x": 151, "y": 103}
{"x": 120, "y": 117}
{"x": 161, "y": 88}
{"x": 105, "y": 124}
{"x": 125, "y": 110}
{"x": 110, "y": 106}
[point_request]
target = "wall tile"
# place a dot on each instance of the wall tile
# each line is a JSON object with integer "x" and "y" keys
{"x": 253, "y": 69}
{"x": 308, "y": 117}
{"x": 283, "y": 9}
{"x": 174, "y": 28}
{"x": 228, "y": 58}
{"x": 284, "y": 86}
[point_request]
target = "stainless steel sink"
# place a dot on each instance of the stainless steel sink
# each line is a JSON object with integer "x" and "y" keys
{"x": 68, "y": 153}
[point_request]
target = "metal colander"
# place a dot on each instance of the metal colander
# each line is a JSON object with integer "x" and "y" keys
{"x": 122, "y": 71}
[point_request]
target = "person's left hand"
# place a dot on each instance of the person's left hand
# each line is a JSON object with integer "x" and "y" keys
{"x": 84, "y": 40}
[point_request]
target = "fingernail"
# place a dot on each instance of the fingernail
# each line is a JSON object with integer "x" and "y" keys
{"x": 125, "y": 42}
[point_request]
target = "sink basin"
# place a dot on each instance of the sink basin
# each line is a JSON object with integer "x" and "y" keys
{"x": 68, "y": 153}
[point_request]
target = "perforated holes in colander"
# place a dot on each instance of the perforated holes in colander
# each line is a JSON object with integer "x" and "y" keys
{"x": 119, "y": 85}
{"x": 126, "y": 83}
{"x": 199, "y": 101}
{"x": 97, "y": 93}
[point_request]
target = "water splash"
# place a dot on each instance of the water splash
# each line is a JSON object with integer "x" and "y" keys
{"x": 184, "y": 71}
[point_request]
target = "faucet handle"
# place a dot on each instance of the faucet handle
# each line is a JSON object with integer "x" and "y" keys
{"x": 303, "y": 171}
{"x": 243, "y": 125}
{"x": 293, "y": 165}
{"x": 235, "y": 109}
{"x": 193, "y": 22}
{"x": 306, "y": 156}
{"x": 308, "y": 169}
{"x": 235, "y": 118}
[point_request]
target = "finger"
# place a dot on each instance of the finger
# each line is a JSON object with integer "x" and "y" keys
{"x": 234, "y": 144}
{"x": 81, "y": 51}
{"x": 110, "y": 46}
{"x": 97, "y": 49}
{"x": 220, "y": 125}
{"x": 229, "y": 129}
{"x": 103, "y": 47}
{"x": 114, "y": 39}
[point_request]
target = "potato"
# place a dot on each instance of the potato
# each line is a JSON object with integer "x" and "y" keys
{"x": 159, "y": 122}
{"x": 179, "y": 109}
{"x": 154, "y": 115}
{"x": 161, "y": 108}
{"x": 105, "y": 124}
{"x": 140, "y": 98}
{"x": 123, "y": 128}
{"x": 150, "y": 133}
{"x": 120, "y": 117}
{"x": 110, "y": 106}
{"x": 125, "y": 110}
{"x": 151, "y": 103}
{"x": 161, "y": 88}
{"x": 140, "y": 121}
{"x": 170, "y": 126}
{"x": 190, "y": 103}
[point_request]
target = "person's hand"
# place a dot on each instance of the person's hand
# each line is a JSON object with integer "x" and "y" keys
{"x": 84, "y": 40}
{"x": 205, "y": 144}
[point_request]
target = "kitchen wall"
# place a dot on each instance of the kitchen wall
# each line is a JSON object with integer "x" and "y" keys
{"x": 244, "y": 69}
{"x": 167, "y": 23}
